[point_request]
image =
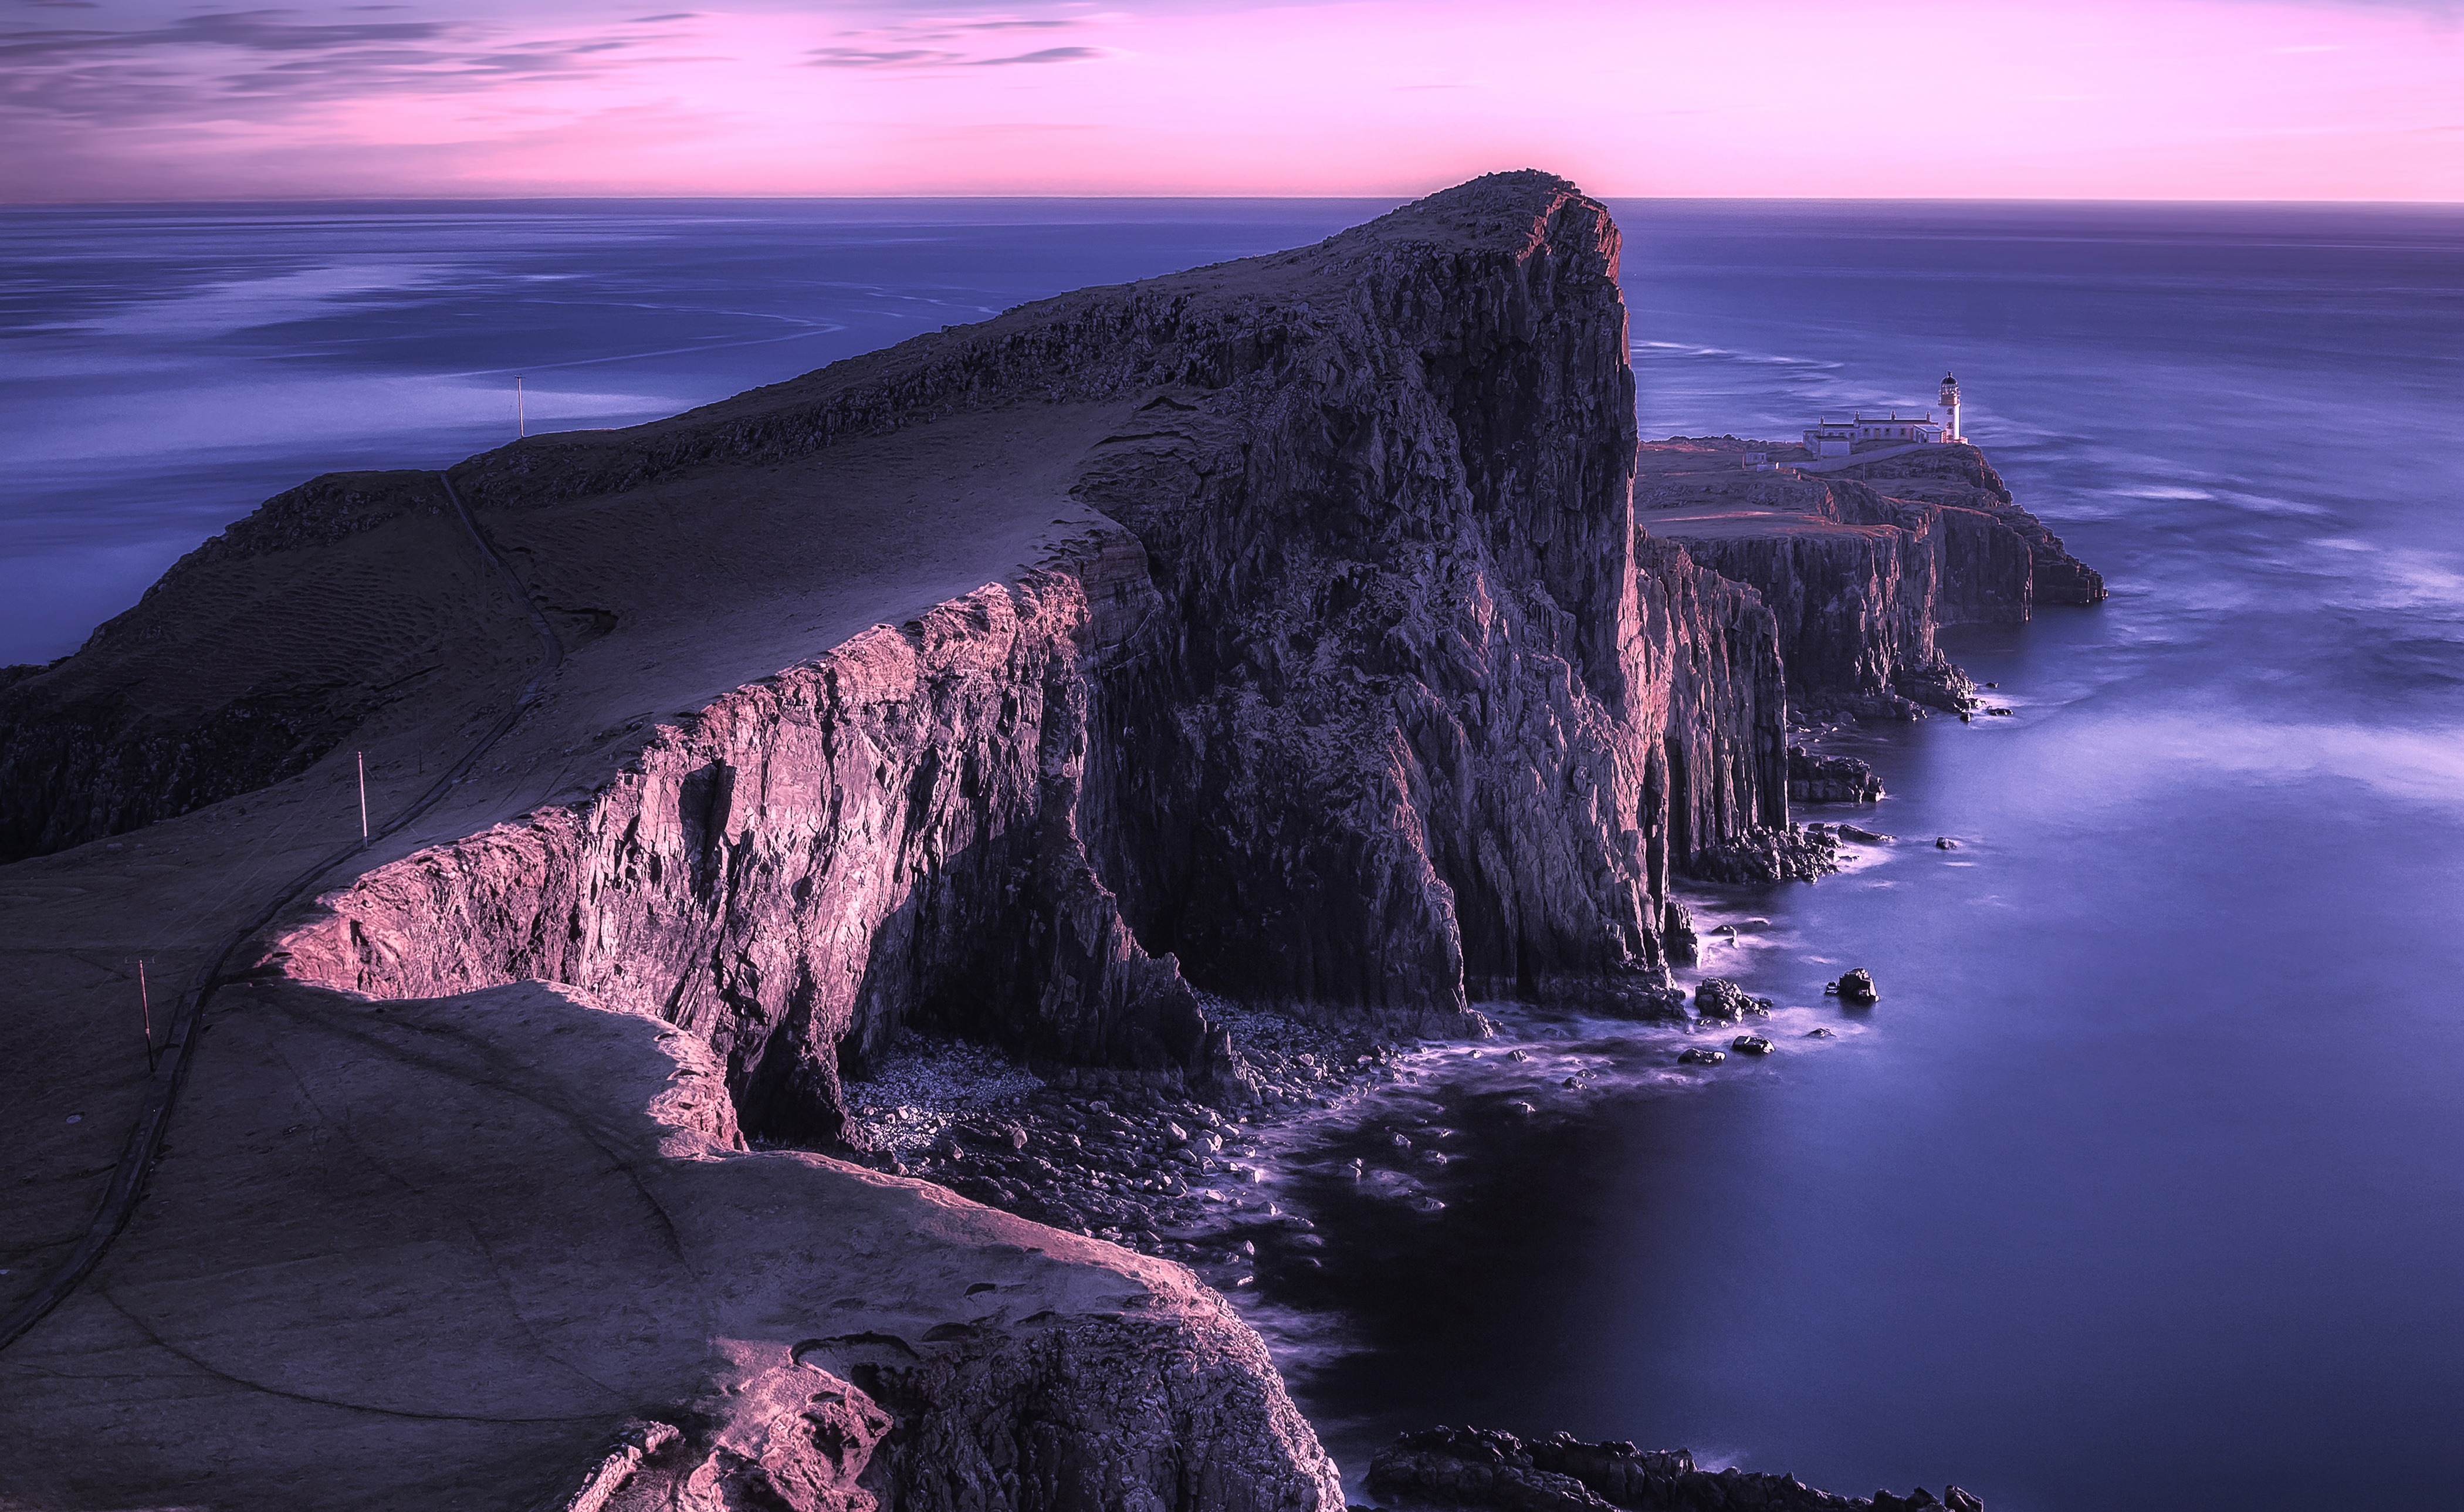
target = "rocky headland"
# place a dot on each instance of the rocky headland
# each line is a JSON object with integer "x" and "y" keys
{"x": 1862, "y": 562}
{"x": 1184, "y": 689}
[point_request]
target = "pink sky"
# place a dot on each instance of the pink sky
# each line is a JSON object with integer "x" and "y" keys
{"x": 2088, "y": 98}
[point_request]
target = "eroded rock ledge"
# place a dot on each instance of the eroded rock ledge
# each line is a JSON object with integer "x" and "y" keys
{"x": 1373, "y": 703}
{"x": 1469, "y": 1467}
{"x": 1861, "y": 566}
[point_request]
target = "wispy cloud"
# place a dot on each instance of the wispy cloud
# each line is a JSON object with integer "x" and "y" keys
{"x": 251, "y": 31}
{"x": 260, "y": 64}
{"x": 1050, "y": 55}
{"x": 898, "y": 57}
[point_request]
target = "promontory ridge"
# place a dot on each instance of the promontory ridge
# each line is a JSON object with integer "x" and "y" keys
{"x": 1309, "y": 633}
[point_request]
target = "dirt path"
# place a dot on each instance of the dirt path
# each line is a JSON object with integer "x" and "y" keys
{"x": 169, "y": 1070}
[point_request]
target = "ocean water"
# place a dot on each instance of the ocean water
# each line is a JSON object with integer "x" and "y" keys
{"x": 166, "y": 368}
{"x": 2140, "y": 1188}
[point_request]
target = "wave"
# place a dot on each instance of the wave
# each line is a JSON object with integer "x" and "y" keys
{"x": 1724, "y": 354}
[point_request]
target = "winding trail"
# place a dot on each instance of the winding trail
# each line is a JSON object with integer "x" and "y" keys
{"x": 153, "y": 1121}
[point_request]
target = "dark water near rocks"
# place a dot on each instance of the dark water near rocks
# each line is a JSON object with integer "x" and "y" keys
{"x": 2143, "y": 1187}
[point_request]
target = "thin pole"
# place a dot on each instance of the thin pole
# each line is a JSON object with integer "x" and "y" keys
{"x": 145, "y": 1015}
{"x": 363, "y": 800}
{"x": 522, "y": 424}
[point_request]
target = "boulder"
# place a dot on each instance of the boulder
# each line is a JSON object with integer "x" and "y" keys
{"x": 1830, "y": 779}
{"x": 1719, "y": 997}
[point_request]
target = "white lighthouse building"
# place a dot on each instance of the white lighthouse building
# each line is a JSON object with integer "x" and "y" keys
{"x": 1837, "y": 438}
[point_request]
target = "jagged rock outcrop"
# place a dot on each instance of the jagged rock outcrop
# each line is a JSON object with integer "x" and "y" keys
{"x": 1960, "y": 478}
{"x": 1373, "y": 704}
{"x": 1859, "y": 571}
{"x": 1817, "y": 778}
{"x": 813, "y": 862}
{"x": 1467, "y": 1467}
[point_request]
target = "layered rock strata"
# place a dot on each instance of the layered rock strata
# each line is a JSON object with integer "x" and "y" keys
{"x": 1373, "y": 702}
{"x": 1817, "y": 778}
{"x": 1860, "y": 572}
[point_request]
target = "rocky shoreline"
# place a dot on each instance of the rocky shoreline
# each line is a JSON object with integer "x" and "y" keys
{"x": 1141, "y": 1167}
{"x": 1184, "y": 1179}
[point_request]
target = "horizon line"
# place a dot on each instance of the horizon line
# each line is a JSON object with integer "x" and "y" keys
{"x": 1727, "y": 199}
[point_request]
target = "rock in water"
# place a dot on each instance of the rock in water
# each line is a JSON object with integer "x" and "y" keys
{"x": 1857, "y": 987}
{"x": 1719, "y": 997}
{"x": 1677, "y": 933}
{"x": 1830, "y": 779}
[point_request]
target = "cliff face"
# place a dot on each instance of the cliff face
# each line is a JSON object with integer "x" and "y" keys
{"x": 1861, "y": 571}
{"x": 1960, "y": 478}
{"x": 1420, "y": 720}
{"x": 1373, "y": 703}
{"x": 1348, "y": 682}
{"x": 883, "y": 835}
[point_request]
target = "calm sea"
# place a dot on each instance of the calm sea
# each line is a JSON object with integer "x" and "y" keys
{"x": 2143, "y": 1187}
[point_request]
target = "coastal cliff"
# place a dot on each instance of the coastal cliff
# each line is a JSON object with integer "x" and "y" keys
{"x": 1279, "y": 634}
{"x": 1371, "y": 704}
{"x": 1861, "y": 564}
{"x": 507, "y": 1250}
{"x": 1279, "y": 629}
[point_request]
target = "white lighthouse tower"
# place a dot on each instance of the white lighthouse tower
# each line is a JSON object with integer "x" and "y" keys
{"x": 1950, "y": 401}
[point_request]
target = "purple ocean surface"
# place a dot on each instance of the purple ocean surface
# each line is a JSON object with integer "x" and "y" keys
{"x": 2138, "y": 1190}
